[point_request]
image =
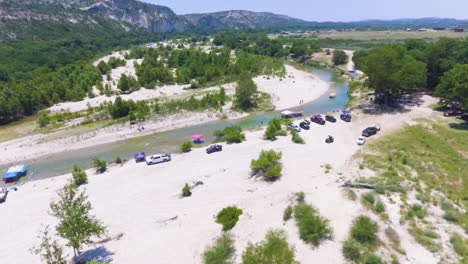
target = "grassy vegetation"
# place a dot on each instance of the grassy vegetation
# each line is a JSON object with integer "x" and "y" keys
{"x": 436, "y": 153}
{"x": 267, "y": 165}
{"x": 313, "y": 228}
{"x": 425, "y": 236}
{"x": 460, "y": 245}
{"x": 221, "y": 252}
{"x": 394, "y": 239}
{"x": 230, "y": 134}
{"x": 363, "y": 241}
{"x": 274, "y": 249}
{"x": 287, "y": 213}
{"x": 296, "y": 138}
{"x": 186, "y": 146}
{"x": 374, "y": 203}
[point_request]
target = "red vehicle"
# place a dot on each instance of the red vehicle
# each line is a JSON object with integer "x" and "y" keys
{"x": 317, "y": 119}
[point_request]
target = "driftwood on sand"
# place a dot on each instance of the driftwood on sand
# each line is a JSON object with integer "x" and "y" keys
{"x": 363, "y": 185}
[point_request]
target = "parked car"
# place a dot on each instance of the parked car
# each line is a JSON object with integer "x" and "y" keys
{"x": 330, "y": 118}
{"x": 158, "y": 158}
{"x": 377, "y": 126}
{"x": 294, "y": 127}
{"x": 452, "y": 112}
{"x": 304, "y": 125}
{"x": 330, "y": 139}
{"x": 370, "y": 131}
{"x": 361, "y": 140}
{"x": 214, "y": 148}
{"x": 463, "y": 116}
{"x": 317, "y": 119}
{"x": 306, "y": 121}
{"x": 345, "y": 117}
{"x": 139, "y": 157}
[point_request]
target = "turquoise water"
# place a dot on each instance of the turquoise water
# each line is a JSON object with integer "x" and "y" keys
{"x": 166, "y": 142}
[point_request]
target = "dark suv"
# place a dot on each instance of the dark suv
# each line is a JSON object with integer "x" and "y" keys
{"x": 370, "y": 131}
{"x": 317, "y": 119}
{"x": 330, "y": 118}
{"x": 214, "y": 148}
{"x": 345, "y": 117}
{"x": 304, "y": 125}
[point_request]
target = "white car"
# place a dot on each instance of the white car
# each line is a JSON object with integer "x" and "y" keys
{"x": 158, "y": 158}
{"x": 361, "y": 140}
{"x": 294, "y": 127}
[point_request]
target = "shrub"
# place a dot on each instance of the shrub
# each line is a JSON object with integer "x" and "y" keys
{"x": 287, "y": 213}
{"x": 273, "y": 129}
{"x": 43, "y": 119}
{"x": 313, "y": 228}
{"x": 300, "y": 197}
{"x": 416, "y": 210}
{"x": 328, "y": 168}
{"x": 79, "y": 176}
{"x": 118, "y": 160}
{"x": 99, "y": 165}
{"x": 373, "y": 259}
{"x": 380, "y": 207}
{"x": 230, "y": 134}
{"x": 351, "y": 194}
{"x": 274, "y": 249}
{"x": 451, "y": 215}
{"x": 364, "y": 230}
{"x": 296, "y": 138}
{"x": 352, "y": 250}
{"x": 221, "y": 252}
{"x": 228, "y": 217}
{"x": 186, "y": 191}
{"x": 380, "y": 188}
{"x": 268, "y": 164}
{"x": 460, "y": 245}
{"x": 186, "y": 146}
{"x": 369, "y": 198}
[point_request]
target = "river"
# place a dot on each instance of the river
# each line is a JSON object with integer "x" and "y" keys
{"x": 169, "y": 141}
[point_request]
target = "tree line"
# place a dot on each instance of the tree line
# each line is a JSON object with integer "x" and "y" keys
{"x": 440, "y": 67}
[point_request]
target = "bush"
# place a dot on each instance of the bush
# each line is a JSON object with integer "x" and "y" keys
{"x": 273, "y": 129}
{"x": 380, "y": 207}
{"x": 300, "y": 197}
{"x": 416, "y": 210}
{"x": 43, "y": 119}
{"x": 186, "y": 191}
{"x": 186, "y": 146}
{"x": 99, "y": 165}
{"x": 352, "y": 250}
{"x": 460, "y": 245}
{"x": 313, "y": 228}
{"x": 268, "y": 164}
{"x": 296, "y": 138}
{"x": 274, "y": 249}
{"x": 339, "y": 57}
{"x": 118, "y": 160}
{"x": 287, "y": 213}
{"x": 228, "y": 217}
{"x": 230, "y": 134}
{"x": 369, "y": 198}
{"x": 380, "y": 188}
{"x": 373, "y": 259}
{"x": 79, "y": 176}
{"x": 221, "y": 252}
{"x": 364, "y": 230}
{"x": 451, "y": 215}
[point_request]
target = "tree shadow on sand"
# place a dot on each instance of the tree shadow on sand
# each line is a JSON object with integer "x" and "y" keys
{"x": 99, "y": 254}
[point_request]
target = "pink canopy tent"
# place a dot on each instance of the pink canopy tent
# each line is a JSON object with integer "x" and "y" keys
{"x": 198, "y": 137}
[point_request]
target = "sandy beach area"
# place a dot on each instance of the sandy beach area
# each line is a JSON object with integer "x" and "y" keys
{"x": 285, "y": 94}
{"x": 149, "y": 222}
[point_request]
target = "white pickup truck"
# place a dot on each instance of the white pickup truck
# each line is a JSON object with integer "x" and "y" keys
{"x": 158, "y": 158}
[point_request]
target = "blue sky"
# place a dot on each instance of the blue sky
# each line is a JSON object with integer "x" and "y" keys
{"x": 329, "y": 10}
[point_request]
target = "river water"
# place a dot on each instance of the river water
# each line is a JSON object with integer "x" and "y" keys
{"x": 169, "y": 141}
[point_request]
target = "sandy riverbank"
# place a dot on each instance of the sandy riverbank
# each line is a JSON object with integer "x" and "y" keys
{"x": 285, "y": 94}
{"x": 138, "y": 200}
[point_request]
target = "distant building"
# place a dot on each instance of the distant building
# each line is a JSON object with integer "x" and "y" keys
{"x": 458, "y": 30}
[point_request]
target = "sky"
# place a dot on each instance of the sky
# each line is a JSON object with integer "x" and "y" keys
{"x": 329, "y": 10}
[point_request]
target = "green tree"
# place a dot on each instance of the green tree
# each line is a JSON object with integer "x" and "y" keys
{"x": 274, "y": 126}
{"x": 230, "y": 134}
{"x": 228, "y": 217}
{"x": 454, "y": 85}
{"x": 339, "y": 57}
{"x": 119, "y": 108}
{"x": 245, "y": 93}
{"x": 274, "y": 249}
{"x": 49, "y": 250}
{"x": 392, "y": 71}
{"x": 79, "y": 176}
{"x": 75, "y": 224}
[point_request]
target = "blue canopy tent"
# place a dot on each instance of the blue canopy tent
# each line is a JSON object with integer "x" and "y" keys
{"x": 15, "y": 172}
